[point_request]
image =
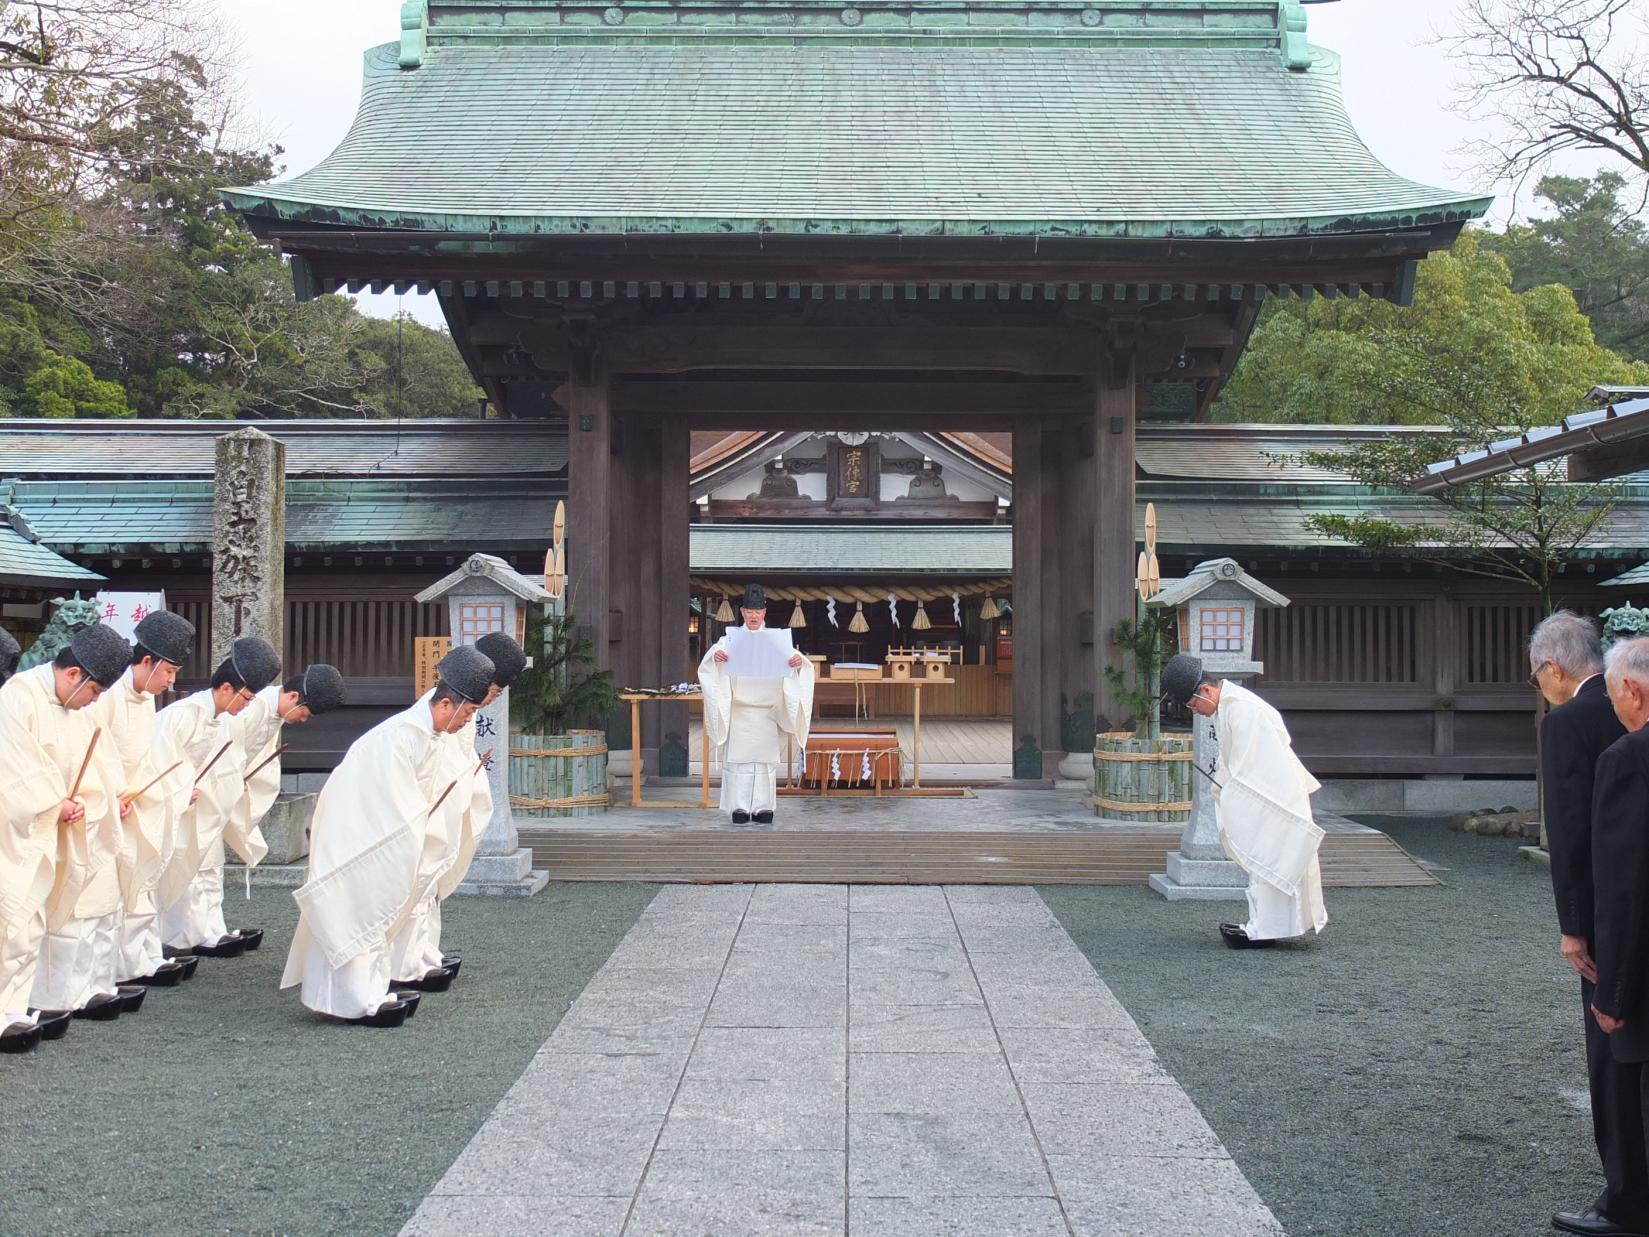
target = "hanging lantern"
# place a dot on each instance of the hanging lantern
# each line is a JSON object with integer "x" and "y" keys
{"x": 724, "y": 612}
{"x": 988, "y": 611}
{"x": 858, "y": 623}
{"x": 921, "y": 622}
{"x": 797, "y": 618}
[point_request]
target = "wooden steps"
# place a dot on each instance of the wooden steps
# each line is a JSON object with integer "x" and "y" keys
{"x": 1108, "y": 857}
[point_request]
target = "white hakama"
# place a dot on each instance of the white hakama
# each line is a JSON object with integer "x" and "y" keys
{"x": 130, "y": 723}
{"x": 191, "y": 886}
{"x": 1264, "y": 811}
{"x": 365, "y": 843}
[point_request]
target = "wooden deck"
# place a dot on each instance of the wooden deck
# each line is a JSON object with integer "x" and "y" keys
{"x": 869, "y": 856}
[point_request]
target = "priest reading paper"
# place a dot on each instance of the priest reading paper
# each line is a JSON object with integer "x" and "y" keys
{"x": 158, "y": 793}
{"x": 59, "y": 892}
{"x": 753, "y": 697}
{"x": 416, "y": 958}
{"x": 1263, "y": 801}
{"x": 199, "y": 728}
{"x": 369, "y": 833}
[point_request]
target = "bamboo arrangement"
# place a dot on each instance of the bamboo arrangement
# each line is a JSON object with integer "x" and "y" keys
{"x": 558, "y": 775}
{"x": 1142, "y": 779}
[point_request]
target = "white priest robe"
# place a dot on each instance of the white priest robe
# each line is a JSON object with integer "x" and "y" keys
{"x": 1264, "y": 809}
{"x": 257, "y": 730}
{"x": 450, "y": 842}
{"x": 191, "y": 886}
{"x": 63, "y": 953}
{"x": 130, "y": 723}
{"x": 747, "y": 720}
{"x": 364, "y": 851}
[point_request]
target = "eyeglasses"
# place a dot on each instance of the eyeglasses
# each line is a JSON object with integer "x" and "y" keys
{"x": 246, "y": 694}
{"x": 1534, "y": 675}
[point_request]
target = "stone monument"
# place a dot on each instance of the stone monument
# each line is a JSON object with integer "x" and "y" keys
{"x": 1217, "y": 605}
{"x": 248, "y": 541}
{"x": 486, "y": 595}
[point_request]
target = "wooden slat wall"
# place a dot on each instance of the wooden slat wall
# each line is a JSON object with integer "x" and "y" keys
{"x": 979, "y": 691}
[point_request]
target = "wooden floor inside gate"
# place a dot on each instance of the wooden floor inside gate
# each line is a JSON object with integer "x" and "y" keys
{"x": 1112, "y": 856}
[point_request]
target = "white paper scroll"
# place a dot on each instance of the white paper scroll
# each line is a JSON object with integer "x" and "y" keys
{"x": 763, "y": 654}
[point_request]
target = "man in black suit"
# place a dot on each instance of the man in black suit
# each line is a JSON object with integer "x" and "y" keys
{"x": 1566, "y": 658}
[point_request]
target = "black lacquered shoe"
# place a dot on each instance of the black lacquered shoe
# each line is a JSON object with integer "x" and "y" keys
{"x": 1237, "y": 937}
{"x": 131, "y": 997}
{"x": 101, "y": 1008}
{"x": 190, "y": 965}
{"x": 389, "y": 1014}
{"x": 53, "y": 1023}
{"x": 19, "y": 1038}
{"x": 171, "y": 953}
{"x": 167, "y": 975}
{"x": 410, "y": 999}
{"x": 250, "y": 937}
{"x": 764, "y": 817}
{"x": 452, "y": 962}
{"x": 438, "y": 980}
{"x": 226, "y": 947}
{"x": 741, "y": 818}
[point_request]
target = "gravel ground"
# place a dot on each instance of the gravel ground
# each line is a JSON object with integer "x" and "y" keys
{"x": 1417, "y": 1070}
{"x": 224, "y": 1107}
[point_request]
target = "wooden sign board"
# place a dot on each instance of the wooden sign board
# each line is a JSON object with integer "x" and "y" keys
{"x": 427, "y": 654}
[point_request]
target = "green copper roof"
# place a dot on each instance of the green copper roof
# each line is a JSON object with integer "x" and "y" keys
{"x": 26, "y": 564}
{"x": 1171, "y": 118}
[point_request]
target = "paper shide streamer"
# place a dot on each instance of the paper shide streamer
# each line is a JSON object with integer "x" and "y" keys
{"x": 956, "y": 607}
{"x": 893, "y": 608}
{"x": 830, "y": 610}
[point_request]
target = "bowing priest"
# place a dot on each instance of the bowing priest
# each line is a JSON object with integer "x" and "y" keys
{"x": 159, "y": 793}
{"x": 748, "y": 718}
{"x": 198, "y": 727}
{"x": 454, "y": 833}
{"x": 59, "y": 891}
{"x": 258, "y": 731}
{"x": 368, "y": 838}
{"x": 1263, "y": 804}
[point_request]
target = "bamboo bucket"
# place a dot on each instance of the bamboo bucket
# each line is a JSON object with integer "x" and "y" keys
{"x": 1142, "y": 780}
{"x": 555, "y": 775}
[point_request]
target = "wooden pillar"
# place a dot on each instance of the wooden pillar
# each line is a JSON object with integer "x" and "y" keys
{"x": 1078, "y": 507}
{"x": 1115, "y": 553}
{"x": 1048, "y": 621}
{"x": 676, "y": 661}
{"x": 1028, "y": 497}
{"x": 1446, "y": 646}
{"x": 589, "y": 482}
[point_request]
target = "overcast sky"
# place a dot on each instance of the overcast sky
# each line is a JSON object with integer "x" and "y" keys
{"x": 300, "y": 69}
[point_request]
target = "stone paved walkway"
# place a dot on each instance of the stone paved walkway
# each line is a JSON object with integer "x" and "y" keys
{"x": 825, "y": 1059}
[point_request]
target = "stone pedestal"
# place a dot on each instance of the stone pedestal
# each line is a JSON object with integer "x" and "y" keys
{"x": 1199, "y": 871}
{"x": 502, "y": 866}
{"x": 248, "y": 542}
{"x": 286, "y": 828}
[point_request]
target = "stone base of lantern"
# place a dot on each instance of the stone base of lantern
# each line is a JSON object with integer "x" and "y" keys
{"x": 1200, "y": 880}
{"x": 505, "y": 876}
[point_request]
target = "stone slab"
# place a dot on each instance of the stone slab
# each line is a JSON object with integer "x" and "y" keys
{"x": 1128, "y": 1119}
{"x": 464, "y": 1215}
{"x": 734, "y": 1193}
{"x": 960, "y": 1083}
{"x": 780, "y": 1054}
{"x": 921, "y": 1028}
{"x": 904, "y": 1154}
{"x": 1185, "y": 871}
{"x": 1105, "y": 1196}
{"x": 286, "y": 827}
{"x": 758, "y": 1114}
{"x": 1162, "y": 885}
{"x": 956, "y": 1217}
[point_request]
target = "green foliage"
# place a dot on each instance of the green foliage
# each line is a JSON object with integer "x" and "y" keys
{"x": 1519, "y": 526}
{"x": 562, "y": 690}
{"x": 126, "y": 286}
{"x": 1146, "y": 642}
{"x": 1592, "y": 244}
{"x": 1531, "y": 354}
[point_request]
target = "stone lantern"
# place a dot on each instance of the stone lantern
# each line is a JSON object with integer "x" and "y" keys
{"x": 1217, "y": 603}
{"x": 486, "y": 595}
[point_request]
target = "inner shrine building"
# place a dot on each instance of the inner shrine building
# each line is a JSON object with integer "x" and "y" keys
{"x": 1045, "y": 218}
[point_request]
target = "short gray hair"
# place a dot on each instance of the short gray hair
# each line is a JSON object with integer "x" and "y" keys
{"x": 1569, "y": 641}
{"x": 1628, "y": 659}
